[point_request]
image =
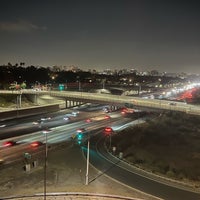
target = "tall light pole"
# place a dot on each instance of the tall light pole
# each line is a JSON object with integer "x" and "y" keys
{"x": 103, "y": 84}
{"x": 45, "y": 163}
{"x": 87, "y": 167}
{"x": 139, "y": 89}
{"x": 79, "y": 82}
{"x": 79, "y": 85}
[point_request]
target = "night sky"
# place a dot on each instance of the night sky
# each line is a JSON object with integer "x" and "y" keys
{"x": 161, "y": 35}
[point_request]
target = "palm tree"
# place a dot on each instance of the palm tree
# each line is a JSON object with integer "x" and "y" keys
{"x": 22, "y": 64}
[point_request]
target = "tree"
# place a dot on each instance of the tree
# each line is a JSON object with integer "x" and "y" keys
{"x": 23, "y": 85}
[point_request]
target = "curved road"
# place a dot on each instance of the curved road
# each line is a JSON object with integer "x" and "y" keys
{"x": 135, "y": 180}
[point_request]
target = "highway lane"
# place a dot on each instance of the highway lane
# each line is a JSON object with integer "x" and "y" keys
{"x": 55, "y": 135}
{"x": 64, "y": 132}
{"x": 20, "y": 126}
{"x": 135, "y": 180}
{"x": 61, "y": 126}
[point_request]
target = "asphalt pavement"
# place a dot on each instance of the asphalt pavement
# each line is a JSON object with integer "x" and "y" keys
{"x": 122, "y": 172}
{"x": 65, "y": 172}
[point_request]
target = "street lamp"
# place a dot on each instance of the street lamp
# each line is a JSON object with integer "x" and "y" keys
{"x": 80, "y": 136}
{"x": 87, "y": 167}
{"x": 45, "y": 162}
{"x": 103, "y": 84}
{"x": 79, "y": 85}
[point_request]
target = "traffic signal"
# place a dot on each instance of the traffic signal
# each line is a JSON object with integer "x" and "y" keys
{"x": 79, "y": 142}
{"x": 80, "y": 133}
{"x": 27, "y": 155}
{"x": 61, "y": 87}
{"x": 79, "y": 138}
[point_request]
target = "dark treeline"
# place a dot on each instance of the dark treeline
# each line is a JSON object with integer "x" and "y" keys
{"x": 20, "y": 73}
{"x": 43, "y": 75}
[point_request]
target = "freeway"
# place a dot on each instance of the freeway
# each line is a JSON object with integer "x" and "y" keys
{"x": 127, "y": 175}
{"x": 20, "y": 126}
{"x": 113, "y": 168}
{"x": 57, "y": 132}
{"x": 114, "y": 100}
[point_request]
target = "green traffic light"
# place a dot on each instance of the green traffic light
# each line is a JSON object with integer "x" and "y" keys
{"x": 61, "y": 87}
{"x": 79, "y": 142}
{"x": 80, "y": 136}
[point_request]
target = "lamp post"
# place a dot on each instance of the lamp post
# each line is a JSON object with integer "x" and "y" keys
{"x": 87, "y": 163}
{"x": 79, "y": 82}
{"x": 103, "y": 84}
{"x": 110, "y": 137}
{"x": 79, "y": 85}
{"x": 139, "y": 89}
{"x": 45, "y": 163}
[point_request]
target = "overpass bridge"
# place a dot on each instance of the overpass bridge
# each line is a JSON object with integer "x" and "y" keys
{"x": 115, "y": 100}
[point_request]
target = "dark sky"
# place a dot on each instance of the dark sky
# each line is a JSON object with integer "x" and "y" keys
{"x": 100, "y": 34}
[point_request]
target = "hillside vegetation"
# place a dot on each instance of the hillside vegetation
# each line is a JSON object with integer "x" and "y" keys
{"x": 10, "y": 101}
{"x": 168, "y": 145}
